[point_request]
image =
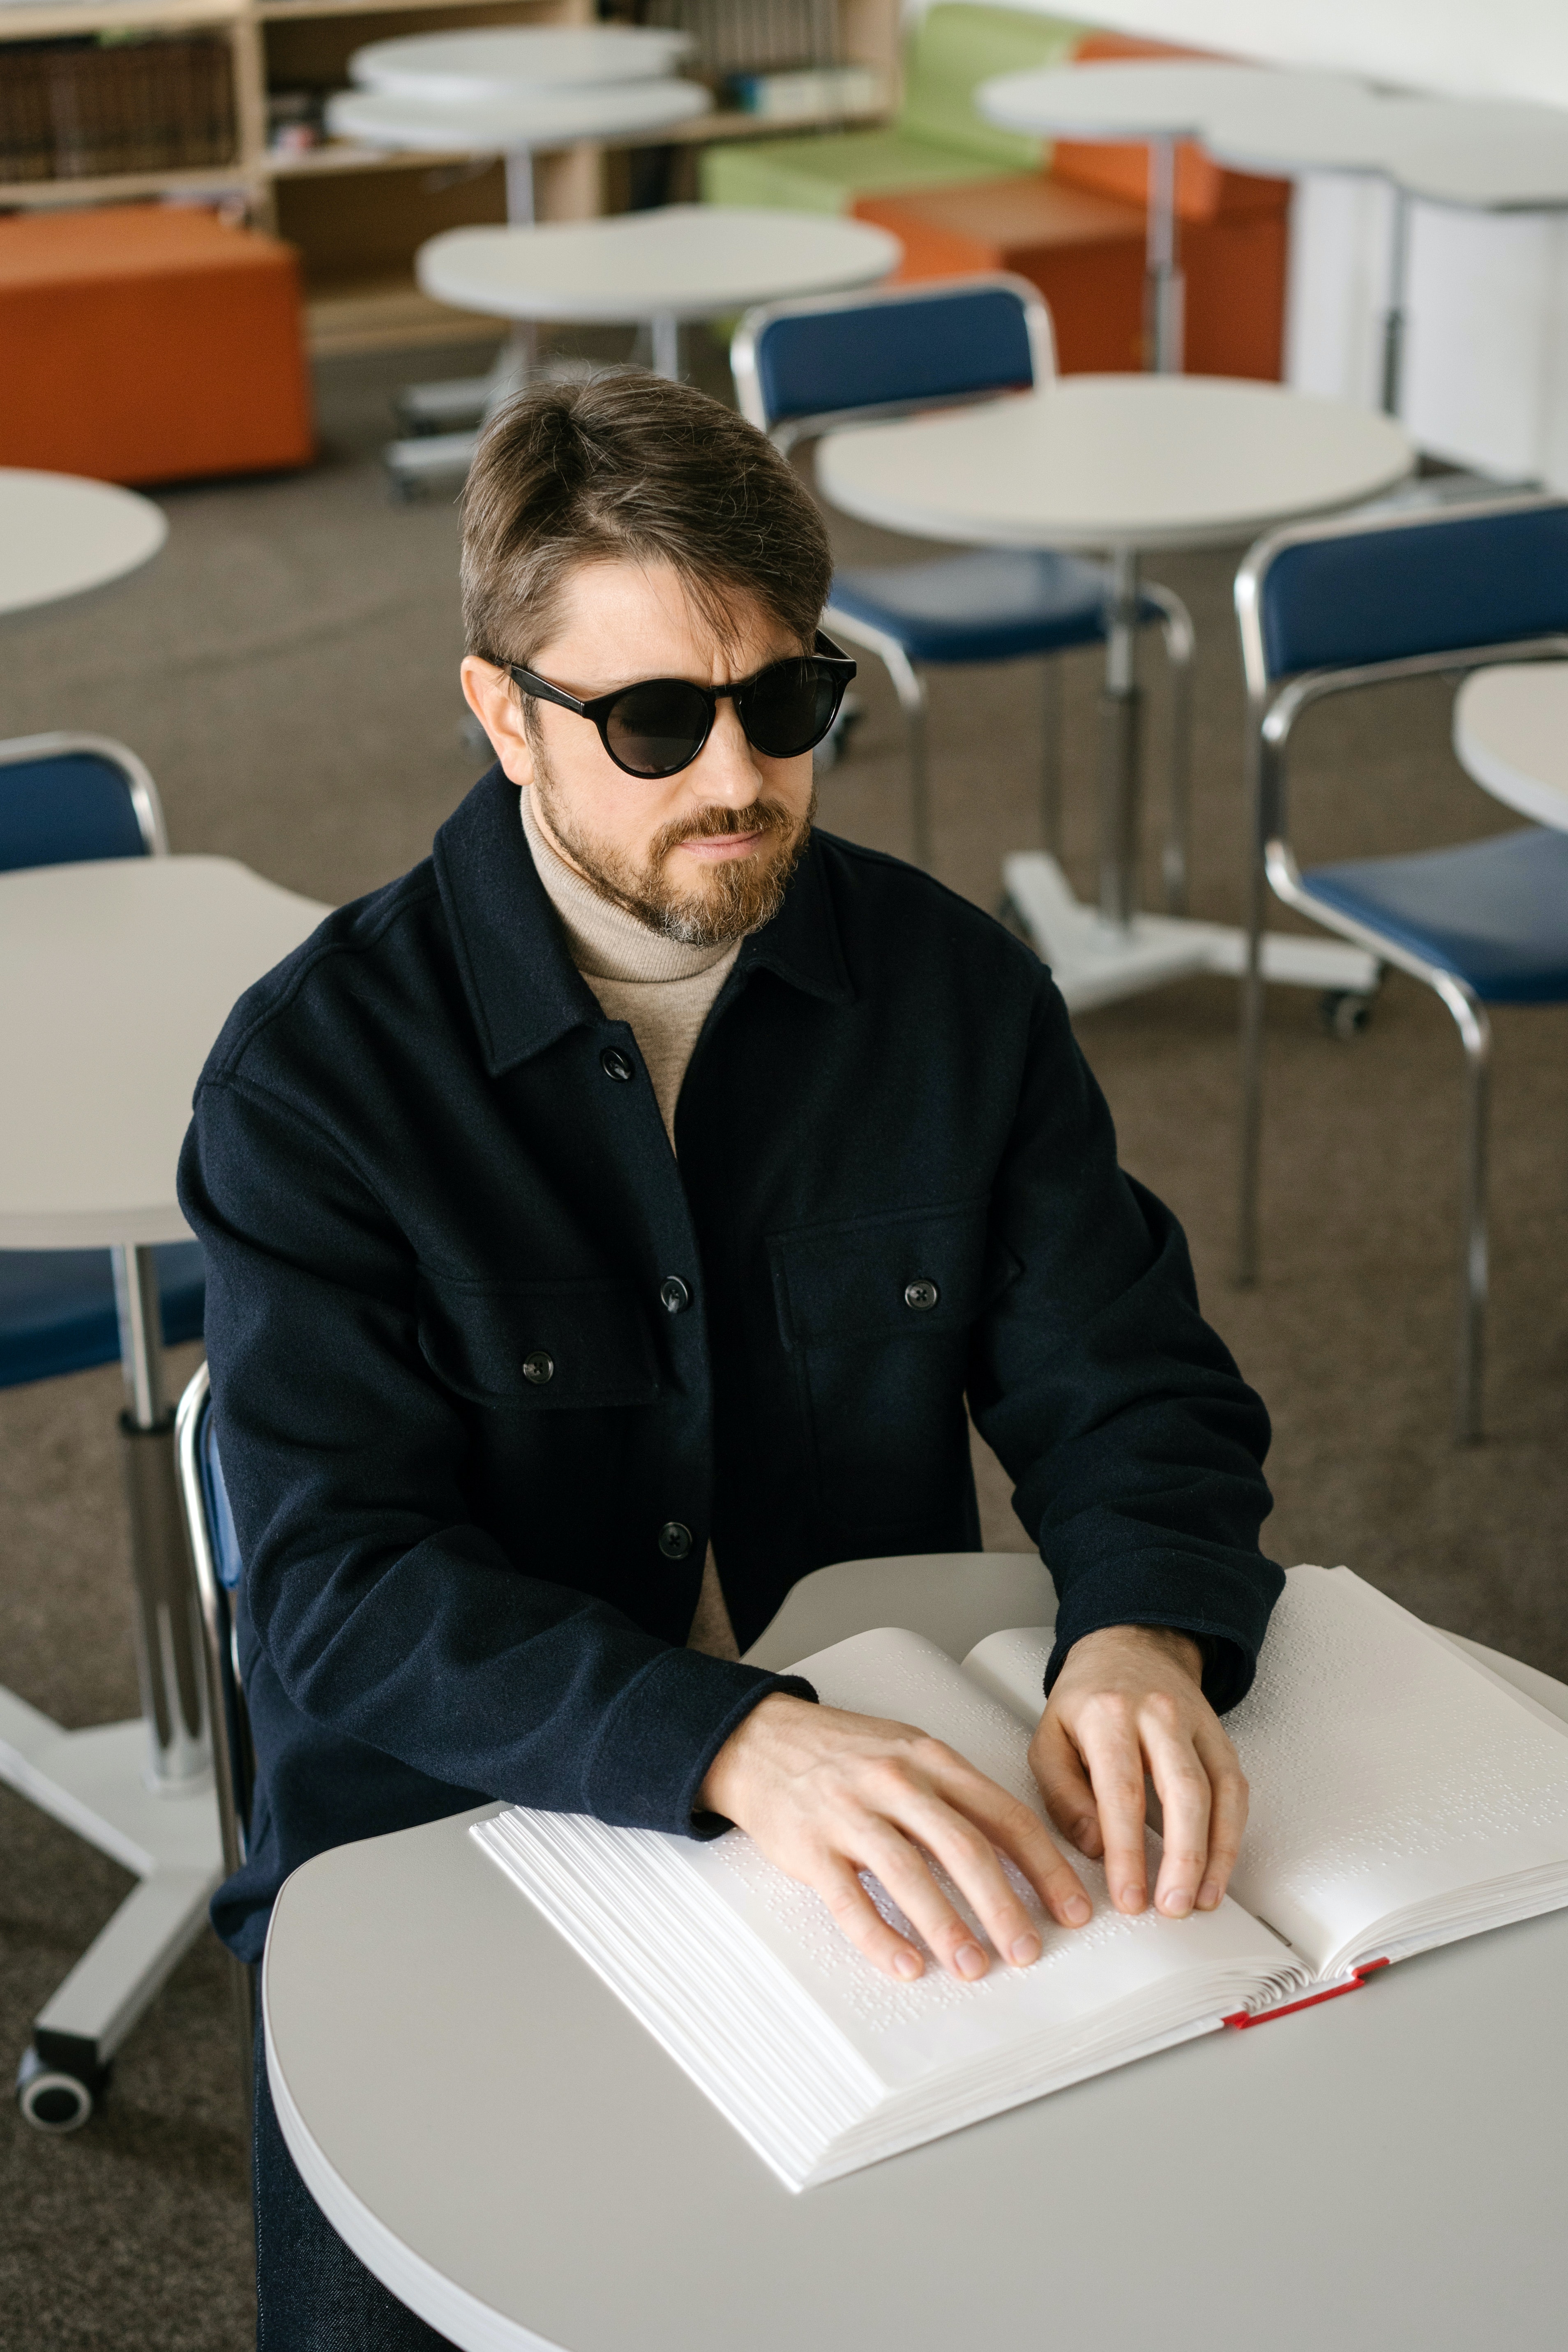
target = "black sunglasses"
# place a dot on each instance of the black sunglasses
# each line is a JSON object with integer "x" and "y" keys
{"x": 658, "y": 726}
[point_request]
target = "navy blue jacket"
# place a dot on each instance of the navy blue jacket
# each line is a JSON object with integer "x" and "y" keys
{"x": 476, "y": 1445}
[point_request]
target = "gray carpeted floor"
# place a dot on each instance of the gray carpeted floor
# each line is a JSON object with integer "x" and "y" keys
{"x": 286, "y": 667}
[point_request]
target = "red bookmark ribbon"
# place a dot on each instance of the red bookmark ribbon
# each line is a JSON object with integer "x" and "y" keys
{"x": 1244, "y": 2017}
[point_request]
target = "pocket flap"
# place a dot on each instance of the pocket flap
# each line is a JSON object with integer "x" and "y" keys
{"x": 546, "y": 1344}
{"x": 919, "y": 1272}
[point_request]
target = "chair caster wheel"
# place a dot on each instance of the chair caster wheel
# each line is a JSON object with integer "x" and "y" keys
{"x": 52, "y": 2100}
{"x": 1344, "y": 1013}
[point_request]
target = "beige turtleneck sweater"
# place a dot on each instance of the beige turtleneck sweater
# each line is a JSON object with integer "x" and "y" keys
{"x": 663, "y": 992}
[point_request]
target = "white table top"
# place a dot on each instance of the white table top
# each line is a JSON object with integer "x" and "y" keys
{"x": 687, "y": 262}
{"x": 498, "y": 2138}
{"x": 1134, "y": 100}
{"x": 1491, "y": 154}
{"x": 1511, "y": 730}
{"x": 115, "y": 978}
{"x": 1105, "y": 461}
{"x": 59, "y": 535}
{"x": 503, "y": 122}
{"x": 475, "y": 65}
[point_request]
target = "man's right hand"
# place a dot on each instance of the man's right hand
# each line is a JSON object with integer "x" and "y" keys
{"x": 825, "y": 1795}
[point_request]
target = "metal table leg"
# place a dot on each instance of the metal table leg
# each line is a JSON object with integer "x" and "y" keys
{"x": 1101, "y": 953}
{"x": 1121, "y": 717}
{"x": 1165, "y": 287}
{"x": 139, "y": 1792}
{"x": 667, "y": 344}
{"x": 1393, "y": 317}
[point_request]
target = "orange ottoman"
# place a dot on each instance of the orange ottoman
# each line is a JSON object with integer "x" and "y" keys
{"x": 150, "y": 342}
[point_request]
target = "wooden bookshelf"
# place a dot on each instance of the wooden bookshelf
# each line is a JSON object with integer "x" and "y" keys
{"x": 356, "y": 214}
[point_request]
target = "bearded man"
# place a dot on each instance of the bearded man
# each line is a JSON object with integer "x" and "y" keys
{"x": 621, "y": 1216}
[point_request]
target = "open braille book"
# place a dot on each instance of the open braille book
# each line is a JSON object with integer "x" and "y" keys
{"x": 1403, "y": 1796}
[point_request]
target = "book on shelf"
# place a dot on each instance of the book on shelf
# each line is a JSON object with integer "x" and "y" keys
{"x": 1403, "y": 1796}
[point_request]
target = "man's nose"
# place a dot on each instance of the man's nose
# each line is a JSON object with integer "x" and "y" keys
{"x": 726, "y": 768}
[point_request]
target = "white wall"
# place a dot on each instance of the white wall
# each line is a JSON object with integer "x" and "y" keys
{"x": 1503, "y": 48}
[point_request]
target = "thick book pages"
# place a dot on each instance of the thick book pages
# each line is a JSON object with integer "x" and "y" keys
{"x": 1402, "y": 1796}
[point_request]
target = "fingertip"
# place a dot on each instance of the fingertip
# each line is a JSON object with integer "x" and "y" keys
{"x": 1076, "y": 1909}
{"x": 1131, "y": 1900}
{"x": 907, "y": 1964}
{"x": 1210, "y": 1897}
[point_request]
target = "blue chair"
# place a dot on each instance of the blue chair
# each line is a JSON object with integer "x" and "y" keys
{"x": 804, "y": 368}
{"x": 1327, "y": 607}
{"x": 215, "y": 1556}
{"x": 65, "y": 799}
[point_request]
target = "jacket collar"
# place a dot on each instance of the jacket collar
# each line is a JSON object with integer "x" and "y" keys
{"x": 523, "y": 989}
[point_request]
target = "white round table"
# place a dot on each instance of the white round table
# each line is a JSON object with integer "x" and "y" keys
{"x": 515, "y": 124}
{"x": 1511, "y": 732}
{"x": 60, "y": 535}
{"x": 503, "y": 2144}
{"x": 680, "y": 262}
{"x": 1487, "y": 154}
{"x": 453, "y": 68}
{"x": 115, "y": 978}
{"x": 1123, "y": 463}
{"x": 1157, "y": 104}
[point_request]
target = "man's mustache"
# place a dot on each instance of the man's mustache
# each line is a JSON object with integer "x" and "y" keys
{"x": 709, "y": 823}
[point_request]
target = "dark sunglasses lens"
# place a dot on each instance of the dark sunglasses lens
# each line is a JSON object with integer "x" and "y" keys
{"x": 657, "y": 729}
{"x": 790, "y": 707}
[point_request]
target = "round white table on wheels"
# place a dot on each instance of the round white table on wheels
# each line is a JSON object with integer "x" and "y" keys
{"x": 518, "y": 2161}
{"x": 1123, "y": 463}
{"x": 115, "y": 978}
{"x": 60, "y": 535}
{"x": 680, "y": 262}
{"x": 1511, "y": 732}
{"x": 1156, "y": 104}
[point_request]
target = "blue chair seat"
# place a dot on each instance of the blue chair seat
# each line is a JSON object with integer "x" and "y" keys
{"x": 998, "y": 606}
{"x": 1494, "y": 913}
{"x": 56, "y": 1308}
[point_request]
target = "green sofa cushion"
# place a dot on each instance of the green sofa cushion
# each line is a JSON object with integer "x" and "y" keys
{"x": 938, "y": 139}
{"x": 956, "y": 48}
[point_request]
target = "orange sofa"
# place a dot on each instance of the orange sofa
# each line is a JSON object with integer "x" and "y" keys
{"x": 149, "y": 343}
{"x": 1077, "y": 232}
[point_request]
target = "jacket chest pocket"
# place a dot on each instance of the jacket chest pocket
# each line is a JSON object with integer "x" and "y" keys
{"x": 552, "y": 1346}
{"x": 875, "y": 1315}
{"x": 920, "y": 1274}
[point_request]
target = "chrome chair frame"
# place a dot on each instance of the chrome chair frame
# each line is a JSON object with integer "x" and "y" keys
{"x": 908, "y": 676}
{"x": 1274, "y": 707}
{"x": 234, "y": 1758}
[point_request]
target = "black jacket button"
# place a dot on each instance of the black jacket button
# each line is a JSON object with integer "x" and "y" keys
{"x": 674, "y": 1540}
{"x": 539, "y": 1368}
{"x": 921, "y": 1296}
{"x": 675, "y": 1297}
{"x": 617, "y": 1065}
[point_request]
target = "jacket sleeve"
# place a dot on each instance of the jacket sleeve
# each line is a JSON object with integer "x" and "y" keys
{"x": 383, "y": 1610}
{"x": 1134, "y": 1445}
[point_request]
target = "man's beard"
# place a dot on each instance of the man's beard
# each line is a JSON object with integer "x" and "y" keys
{"x": 741, "y": 893}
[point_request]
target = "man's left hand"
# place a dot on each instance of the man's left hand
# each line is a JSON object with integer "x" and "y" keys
{"x": 1128, "y": 1701}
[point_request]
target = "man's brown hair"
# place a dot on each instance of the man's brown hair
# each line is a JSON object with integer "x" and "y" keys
{"x": 632, "y": 467}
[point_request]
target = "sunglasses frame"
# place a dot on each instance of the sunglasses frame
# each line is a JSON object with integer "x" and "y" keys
{"x": 840, "y": 668}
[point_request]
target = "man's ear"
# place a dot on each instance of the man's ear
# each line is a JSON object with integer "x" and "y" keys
{"x": 489, "y": 694}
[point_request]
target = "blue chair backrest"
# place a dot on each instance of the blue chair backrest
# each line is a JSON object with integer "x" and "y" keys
{"x": 221, "y": 1536}
{"x": 952, "y": 343}
{"x": 1390, "y": 590}
{"x": 58, "y": 808}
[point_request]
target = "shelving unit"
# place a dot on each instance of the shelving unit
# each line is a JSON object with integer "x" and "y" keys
{"x": 357, "y": 214}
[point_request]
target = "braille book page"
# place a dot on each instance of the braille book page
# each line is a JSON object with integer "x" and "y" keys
{"x": 1390, "y": 1776}
{"x": 903, "y": 2029}
{"x": 1394, "y": 1780}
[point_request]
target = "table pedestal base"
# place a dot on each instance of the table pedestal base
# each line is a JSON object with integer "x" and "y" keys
{"x": 1095, "y": 962}
{"x": 94, "y": 1782}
